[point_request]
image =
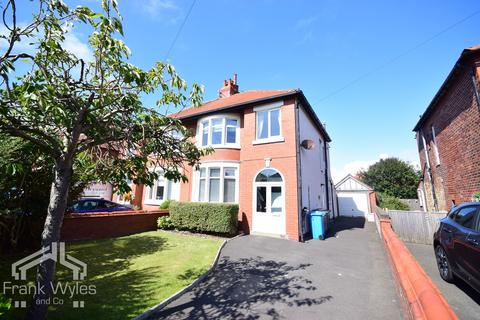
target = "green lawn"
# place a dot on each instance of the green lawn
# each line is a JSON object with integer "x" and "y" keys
{"x": 131, "y": 273}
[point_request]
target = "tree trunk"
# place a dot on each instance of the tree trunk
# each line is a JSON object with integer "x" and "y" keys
{"x": 51, "y": 233}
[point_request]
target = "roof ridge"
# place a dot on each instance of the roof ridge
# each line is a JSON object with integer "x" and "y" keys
{"x": 239, "y": 93}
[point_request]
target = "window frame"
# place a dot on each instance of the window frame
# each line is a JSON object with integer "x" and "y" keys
{"x": 223, "y": 144}
{"x": 222, "y": 165}
{"x": 269, "y": 108}
{"x": 476, "y": 213}
{"x": 268, "y": 185}
{"x": 168, "y": 186}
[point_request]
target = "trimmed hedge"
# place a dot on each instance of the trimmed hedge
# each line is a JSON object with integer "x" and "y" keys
{"x": 165, "y": 204}
{"x": 205, "y": 217}
{"x": 165, "y": 223}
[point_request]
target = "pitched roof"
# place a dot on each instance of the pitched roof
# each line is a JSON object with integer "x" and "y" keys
{"x": 452, "y": 75}
{"x": 244, "y": 99}
{"x": 350, "y": 177}
{"x": 238, "y": 99}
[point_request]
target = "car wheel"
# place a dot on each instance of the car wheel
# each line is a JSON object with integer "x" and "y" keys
{"x": 443, "y": 264}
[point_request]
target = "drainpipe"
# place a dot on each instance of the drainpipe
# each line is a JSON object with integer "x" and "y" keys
{"x": 429, "y": 170}
{"x": 299, "y": 171}
{"x": 327, "y": 181}
{"x": 475, "y": 87}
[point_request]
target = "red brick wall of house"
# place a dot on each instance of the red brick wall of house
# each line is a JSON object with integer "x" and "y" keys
{"x": 457, "y": 126}
{"x": 283, "y": 155}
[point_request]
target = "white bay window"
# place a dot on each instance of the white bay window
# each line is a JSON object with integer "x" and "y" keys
{"x": 219, "y": 131}
{"x": 216, "y": 182}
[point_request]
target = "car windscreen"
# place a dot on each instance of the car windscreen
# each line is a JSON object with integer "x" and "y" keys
{"x": 85, "y": 205}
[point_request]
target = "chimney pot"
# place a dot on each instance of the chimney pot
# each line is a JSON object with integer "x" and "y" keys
{"x": 230, "y": 87}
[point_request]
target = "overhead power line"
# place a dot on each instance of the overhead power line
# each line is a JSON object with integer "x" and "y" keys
{"x": 180, "y": 30}
{"x": 398, "y": 57}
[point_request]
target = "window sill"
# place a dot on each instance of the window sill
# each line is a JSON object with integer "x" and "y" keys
{"x": 153, "y": 202}
{"x": 221, "y": 146}
{"x": 268, "y": 140}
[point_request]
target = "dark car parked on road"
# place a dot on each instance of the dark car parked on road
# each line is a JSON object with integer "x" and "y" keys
{"x": 457, "y": 244}
{"x": 91, "y": 205}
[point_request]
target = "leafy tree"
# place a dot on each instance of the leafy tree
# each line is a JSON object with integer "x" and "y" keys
{"x": 76, "y": 110}
{"x": 25, "y": 178}
{"x": 392, "y": 177}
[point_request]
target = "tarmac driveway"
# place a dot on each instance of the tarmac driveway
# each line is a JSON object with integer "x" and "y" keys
{"x": 347, "y": 276}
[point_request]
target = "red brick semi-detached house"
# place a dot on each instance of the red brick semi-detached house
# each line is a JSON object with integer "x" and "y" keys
{"x": 271, "y": 157}
{"x": 448, "y": 137}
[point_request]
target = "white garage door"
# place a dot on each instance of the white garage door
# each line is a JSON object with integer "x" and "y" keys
{"x": 353, "y": 204}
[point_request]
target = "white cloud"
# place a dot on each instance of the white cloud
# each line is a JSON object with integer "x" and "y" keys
{"x": 75, "y": 46}
{"x": 305, "y": 27}
{"x": 305, "y": 22}
{"x": 72, "y": 43}
{"x": 354, "y": 167}
{"x": 23, "y": 45}
{"x": 163, "y": 9}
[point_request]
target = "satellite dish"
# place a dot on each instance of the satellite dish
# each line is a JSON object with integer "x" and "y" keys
{"x": 308, "y": 144}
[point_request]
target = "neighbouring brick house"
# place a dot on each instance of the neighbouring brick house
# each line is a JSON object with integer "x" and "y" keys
{"x": 271, "y": 157}
{"x": 448, "y": 137}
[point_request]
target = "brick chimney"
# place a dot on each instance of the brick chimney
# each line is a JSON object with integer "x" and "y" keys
{"x": 230, "y": 87}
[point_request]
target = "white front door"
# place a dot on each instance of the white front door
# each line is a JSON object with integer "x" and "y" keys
{"x": 269, "y": 203}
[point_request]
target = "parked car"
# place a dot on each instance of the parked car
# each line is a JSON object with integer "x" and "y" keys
{"x": 457, "y": 244}
{"x": 89, "y": 205}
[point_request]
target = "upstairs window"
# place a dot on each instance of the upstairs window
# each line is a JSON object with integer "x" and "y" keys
{"x": 220, "y": 131}
{"x": 268, "y": 123}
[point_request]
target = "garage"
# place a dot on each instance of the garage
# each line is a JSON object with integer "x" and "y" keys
{"x": 354, "y": 198}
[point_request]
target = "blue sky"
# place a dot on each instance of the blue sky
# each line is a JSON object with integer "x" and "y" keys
{"x": 318, "y": 46}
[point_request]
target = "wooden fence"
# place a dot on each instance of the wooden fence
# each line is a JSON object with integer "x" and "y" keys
{"x": 415, "y": 226}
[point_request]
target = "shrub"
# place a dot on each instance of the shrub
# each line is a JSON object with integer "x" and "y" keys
{"x": 165, "y": 204}
{"x": 389, "y": 202}
{"x": 476, "y": 196}
{"x": 5, "y": 304}
{"x": 165, "y": 223}
{"x": 205, "y": 217}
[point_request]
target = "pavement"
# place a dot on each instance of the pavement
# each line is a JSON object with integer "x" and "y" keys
{"x": 462, "y": 298}
{"x": 346, "y": 276}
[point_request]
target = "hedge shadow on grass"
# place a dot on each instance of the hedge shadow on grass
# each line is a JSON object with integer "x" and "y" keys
{"x": 245, "y": 289}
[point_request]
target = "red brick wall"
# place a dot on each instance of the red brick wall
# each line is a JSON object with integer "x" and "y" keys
{"x": 108, "y": 225}
{"x": 457, "y": 126}
{"x": 283, "y": 155}
{"x": 373, "y": 201}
